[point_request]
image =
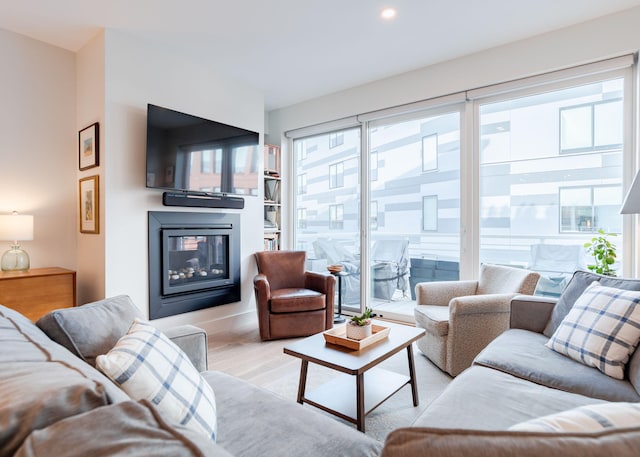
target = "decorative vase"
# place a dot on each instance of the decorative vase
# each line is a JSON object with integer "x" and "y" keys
{"x": 358, "y": 332}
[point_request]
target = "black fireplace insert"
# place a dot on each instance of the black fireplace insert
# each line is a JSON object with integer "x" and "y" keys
{"x": 194, "y": 261}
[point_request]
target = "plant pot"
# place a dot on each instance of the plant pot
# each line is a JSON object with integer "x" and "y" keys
{"x": 358, "y": 332}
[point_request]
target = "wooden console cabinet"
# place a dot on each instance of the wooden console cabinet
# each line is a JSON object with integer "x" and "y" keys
{"x": 38, "y": 291}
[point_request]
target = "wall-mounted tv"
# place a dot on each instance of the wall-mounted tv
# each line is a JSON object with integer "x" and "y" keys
{"x": 190, "y": 154}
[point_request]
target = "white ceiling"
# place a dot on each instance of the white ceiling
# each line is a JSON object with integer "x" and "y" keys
{"x": 294, "y": 50}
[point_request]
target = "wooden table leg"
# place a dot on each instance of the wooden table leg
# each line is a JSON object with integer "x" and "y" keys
{"x": 303, "y": 380}
{"x": 360, "y": 402}
{"x": 412, "y": 376}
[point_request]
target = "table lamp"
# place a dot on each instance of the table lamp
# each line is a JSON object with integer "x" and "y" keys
{"x": 15, "y": 227}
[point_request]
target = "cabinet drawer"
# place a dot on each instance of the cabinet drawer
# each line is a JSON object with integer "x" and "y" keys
{"x": 39, "y": 291}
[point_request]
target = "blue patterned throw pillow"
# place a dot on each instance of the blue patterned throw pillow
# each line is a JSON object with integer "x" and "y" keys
{"x": 601, "y": 330}
{"x": 147, "y": 365}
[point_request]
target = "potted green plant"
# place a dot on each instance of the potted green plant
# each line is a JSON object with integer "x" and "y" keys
{"x": 603, "y": 252}
{"x": 359, "y": 327}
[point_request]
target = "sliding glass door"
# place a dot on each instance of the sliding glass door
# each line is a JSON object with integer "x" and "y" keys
{"x": 327, "y": 205}
{"x": 412, "y": 184}
{"x": 414, "y": 188}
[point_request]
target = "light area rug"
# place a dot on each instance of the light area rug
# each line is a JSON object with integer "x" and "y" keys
{"x": 397, "y": 411}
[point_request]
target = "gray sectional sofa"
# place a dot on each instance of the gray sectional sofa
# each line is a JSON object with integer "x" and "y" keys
{"x": 53, "y": 402}
{"x": 515, "y": 379}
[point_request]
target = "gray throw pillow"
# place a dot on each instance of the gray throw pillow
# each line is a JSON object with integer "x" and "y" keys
{"x": 92, "y": 329}
{"x": 577, "y": 285}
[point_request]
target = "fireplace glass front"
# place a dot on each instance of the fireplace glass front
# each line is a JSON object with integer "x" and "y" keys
{"x": 195, "y": 259}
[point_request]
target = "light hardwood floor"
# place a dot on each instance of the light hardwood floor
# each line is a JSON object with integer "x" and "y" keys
{"x": 240, "y": 352}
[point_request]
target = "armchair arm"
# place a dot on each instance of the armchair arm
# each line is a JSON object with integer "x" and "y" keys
{"x": 262, "y": 288}
{"x": 529, "y": 312}
{"x": 440, "y": 293}
{"x": 480, "y": 304}
{"x": 320, "y": 282}
{"x": 474, "y": 321}
{"x": 326, "y": 284}
{"x": 193, "y": 341}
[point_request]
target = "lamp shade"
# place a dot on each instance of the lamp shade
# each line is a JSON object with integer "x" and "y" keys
{"x": 631, "y": 204}
{"x": 16, "y": 227}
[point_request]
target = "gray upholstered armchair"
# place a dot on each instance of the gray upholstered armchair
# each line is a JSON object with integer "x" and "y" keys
{"x": 462, "y": 317}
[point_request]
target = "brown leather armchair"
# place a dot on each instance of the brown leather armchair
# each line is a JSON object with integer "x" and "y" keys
{"x": 291, "y": 302}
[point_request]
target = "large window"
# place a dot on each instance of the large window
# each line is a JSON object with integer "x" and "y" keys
{"x": 518, "y": 174}
{"x": 549, "y": 183}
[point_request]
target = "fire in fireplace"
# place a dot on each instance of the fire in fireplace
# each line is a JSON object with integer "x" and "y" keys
{"x": 194, "y": 261}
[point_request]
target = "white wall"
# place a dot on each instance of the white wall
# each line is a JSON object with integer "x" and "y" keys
{"x": 137, "y": 73}
{"x": 38, "y": 146}
{"x": 602, "y": 38}
{"x": 90, "y": 67}
{"x": 48, "y": 95}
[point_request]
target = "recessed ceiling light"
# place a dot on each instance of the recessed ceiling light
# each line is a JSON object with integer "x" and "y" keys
{"x": 388, "y": 13}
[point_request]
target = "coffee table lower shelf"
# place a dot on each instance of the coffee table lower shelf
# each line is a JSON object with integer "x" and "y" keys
{"x": 338, "y": 395}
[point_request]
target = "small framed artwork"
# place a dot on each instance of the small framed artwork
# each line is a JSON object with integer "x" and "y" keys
{"x": 88, "y": 147}
{"x": 88, "y": 196}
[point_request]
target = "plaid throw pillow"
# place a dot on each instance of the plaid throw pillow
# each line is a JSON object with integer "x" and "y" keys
{"x": 601, "y": 330}
{"x": 147, "y": 365}
{"x": 589, "y": 418}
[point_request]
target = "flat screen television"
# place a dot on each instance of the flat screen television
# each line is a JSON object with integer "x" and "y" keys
{"x": 186, "y": 153}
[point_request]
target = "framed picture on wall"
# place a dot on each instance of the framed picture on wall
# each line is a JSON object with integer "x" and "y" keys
{"x": 89, "y": 147}
{"x": 89, "y": 200}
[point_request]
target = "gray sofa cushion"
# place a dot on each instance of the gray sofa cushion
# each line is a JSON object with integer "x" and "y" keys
{"x": 447, "y": 443}
{"x": 26, "y": 342}
{"x": 41, "y": 382}
{"x": 127, "y": 429}
{"x": 253, "y": 421}
{"x": 578, "y": 283}
{"x": 523, "y": 354}
{"x": 37, "y": 394}
{"x": 482, "y": 398}
{"x": 92, "y": 329}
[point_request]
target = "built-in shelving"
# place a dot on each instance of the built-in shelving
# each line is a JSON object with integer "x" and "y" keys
{"x": 272, "y": 198}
